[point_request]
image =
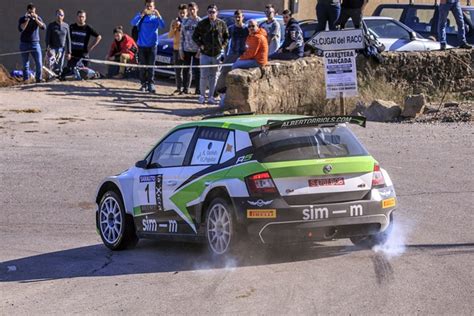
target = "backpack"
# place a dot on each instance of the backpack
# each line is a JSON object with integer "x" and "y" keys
{"x": 136, "y": 29}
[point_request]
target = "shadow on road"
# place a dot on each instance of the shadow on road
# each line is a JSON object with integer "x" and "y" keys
{"x": 148, "y": 257}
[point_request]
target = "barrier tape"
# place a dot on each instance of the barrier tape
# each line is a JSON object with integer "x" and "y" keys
{"x": 19, "y": 53}
{"x": 114, "y": 63}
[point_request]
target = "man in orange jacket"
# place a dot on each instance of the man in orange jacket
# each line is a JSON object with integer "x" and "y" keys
{"x": 256, "y": 54}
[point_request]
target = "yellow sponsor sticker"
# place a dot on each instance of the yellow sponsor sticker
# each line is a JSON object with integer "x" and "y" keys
{"x": 388, "y": 203}
{"x": 268, "y": 213}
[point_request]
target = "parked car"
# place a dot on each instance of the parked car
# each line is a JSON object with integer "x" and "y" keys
{"x": 393, "y": 34}
{"x": 165, "y": 45}
{"x": 276, "y": 179}
{"x": 423, "y": 18}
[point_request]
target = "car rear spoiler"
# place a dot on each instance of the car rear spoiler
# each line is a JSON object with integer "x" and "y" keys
{"x": 312, "y": 121}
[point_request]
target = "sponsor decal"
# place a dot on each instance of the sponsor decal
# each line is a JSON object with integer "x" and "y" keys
{"x": 245, "y": 158}
{"x": 326, "y": 182}
{"x": 150, "y": 178}
{"x": 327, "y": 169}
{"x": 172, "y": 226}
{"x": 313, "y": 213}
{"x": 385, "y": 192}
{"x": 159, "y": 192}
{"x": 260, "y": 203}
{"x": 388, "y": 203}
{"x": 270, "y": 213}
{"x": 149, "y": 225}
{"x": 229, "y": 148}
{"x": 356, "y": 210}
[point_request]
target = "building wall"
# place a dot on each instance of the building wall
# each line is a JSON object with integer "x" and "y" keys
{"x": 105, "y": 14}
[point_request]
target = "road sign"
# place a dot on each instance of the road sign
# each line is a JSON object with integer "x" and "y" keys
{"x": 338, "y": 40}
{"x": 340, "y": 74}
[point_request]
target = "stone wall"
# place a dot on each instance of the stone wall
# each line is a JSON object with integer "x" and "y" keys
{"x": 298, "y": 86}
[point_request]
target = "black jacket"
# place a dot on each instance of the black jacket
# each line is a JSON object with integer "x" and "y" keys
{"x": 293, "y": 33}
{"x": 214, "y": 37}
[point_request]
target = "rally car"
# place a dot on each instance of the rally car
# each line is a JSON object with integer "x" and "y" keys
{"x": 275, "y": 179}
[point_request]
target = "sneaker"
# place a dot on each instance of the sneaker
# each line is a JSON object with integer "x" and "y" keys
{"x": 151, "y": 88}
{"x": 185, "y": 91}
{"x": 442, "y": 47}
{"x": 212, "y": 101}
{"x": 143, "y": 88}
{"x": 202, "y": 99}
{"x": 177, "y": 91}
{"x": 197, "y": 92}
{"x": 465, "y": 46}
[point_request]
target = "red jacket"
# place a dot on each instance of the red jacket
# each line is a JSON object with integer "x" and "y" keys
{"x": 123, "y": 47}
{"x": 257, "y": 47}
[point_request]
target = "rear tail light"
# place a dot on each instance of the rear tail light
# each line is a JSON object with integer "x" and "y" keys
{"x": 377, "y": 178}
{"x": 261, "y": 183}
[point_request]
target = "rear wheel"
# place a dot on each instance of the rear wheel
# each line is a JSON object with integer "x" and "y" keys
{"x": 220, "y": 227}
{"x": 370, "y": 241}
{"x": 116, "y": 228}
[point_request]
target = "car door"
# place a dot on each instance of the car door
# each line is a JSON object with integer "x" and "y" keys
{"x": 153, "y": 210}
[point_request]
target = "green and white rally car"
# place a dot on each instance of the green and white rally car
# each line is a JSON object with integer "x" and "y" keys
{"x": 271, "y": 178}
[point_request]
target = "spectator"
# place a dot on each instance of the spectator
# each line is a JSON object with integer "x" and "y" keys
{"x": 148, "y": 21}
{"x": 351, "y": 9}
{"x": 327, "y": 12}
{"x": 293, "y": 45}
{"x": 29, "y": 26}
{"x": 123, "y": 50}
{"x": 175, "y": 34}
{"x": 58, "y": 43}
{"x": 80, "y": 36}
{"x": 189, "y": 50}
{"x": 256, "y": 54}
{"x": 455, "y": 7}
{"x": 211, "y": 35}
{"x": 237, "y": 36}
{"x": 272, "y": 27}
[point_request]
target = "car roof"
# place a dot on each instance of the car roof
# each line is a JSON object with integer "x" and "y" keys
{"x": 240, "y": 122}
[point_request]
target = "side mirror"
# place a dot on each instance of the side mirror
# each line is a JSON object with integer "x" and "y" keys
{"x": 412, "y": 36}
{"x": 142, "y": 164}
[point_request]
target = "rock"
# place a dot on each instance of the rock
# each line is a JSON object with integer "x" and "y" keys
{"x": 383, "y": 111}
{"x": 413, "y": 105}
{"x": 359, "y": 109}
{"x": 451, "y": 105}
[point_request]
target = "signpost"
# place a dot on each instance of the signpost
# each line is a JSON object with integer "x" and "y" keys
{"x": 339, "y": 61}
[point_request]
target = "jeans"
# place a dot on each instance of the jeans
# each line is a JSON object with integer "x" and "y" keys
{"x": 147, "y": 56}
{"x": 245, "y": 64}
{"x": 329, "y": 14}
{"x": 346, "y": 13}
{"x": 455, "y": 8}
{"x": 115, "y": 70}
{"x": 208, "y": 75}
{"x": 55, "y": 61}
{"x": 33, "y": 48}
{"x": 284, "y": 56}
{"x": 187, "y": 78}
{"x": 178, "y": 71}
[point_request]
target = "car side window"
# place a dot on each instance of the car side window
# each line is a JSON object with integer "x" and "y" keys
{"x": 395, "y": 13}
{"x": 420, "y": 20}
{"x": 387, "y": 29}
{"x": 209, "y": 145}
{"x": 172, "y": 150}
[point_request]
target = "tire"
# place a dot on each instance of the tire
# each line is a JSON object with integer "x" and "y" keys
{"x": 370, "y": 241}
{"x": 116, "y": 228}
{"x": 221, "y": 233}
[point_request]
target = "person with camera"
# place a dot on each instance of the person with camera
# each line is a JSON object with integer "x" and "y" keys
{"x": 212, "y": 36}
{"x": 58, "y": 43}
{"x": 29, "y": 26}
{"x": 189, "y": 50}
{"x": 175, "y": 34}
{"x": 148, "y": 22}
{"x": 123, "y": 50}
{"x": 272, "y": 27}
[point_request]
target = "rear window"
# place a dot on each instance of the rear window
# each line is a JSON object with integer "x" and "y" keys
{"x": 306, "y": 143}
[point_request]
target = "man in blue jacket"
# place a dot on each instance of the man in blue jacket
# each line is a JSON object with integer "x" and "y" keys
{"x": 293, "y": 45}
{"x": 148, "y": 23}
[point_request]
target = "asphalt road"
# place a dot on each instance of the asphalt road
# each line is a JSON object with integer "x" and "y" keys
{"x": 52, "y": 260}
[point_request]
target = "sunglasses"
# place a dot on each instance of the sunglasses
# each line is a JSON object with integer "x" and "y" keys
{"x": 59, "y": 14}
{"x": 251, "y": 26}
{"x": 211, "y": 12}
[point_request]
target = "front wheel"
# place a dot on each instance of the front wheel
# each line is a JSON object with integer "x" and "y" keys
{"x": 115, "y": 227}
{"x": 220, "y": 227}
{"x": 370, "y": 241}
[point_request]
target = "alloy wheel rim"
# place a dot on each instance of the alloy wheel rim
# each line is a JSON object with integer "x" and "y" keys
{"x": 110, "y": 220}
{"x": 219, "y": 229}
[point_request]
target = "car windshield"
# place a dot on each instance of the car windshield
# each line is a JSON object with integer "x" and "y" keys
{"x": 387, "y": 29}
{"x": 306, "y": 143}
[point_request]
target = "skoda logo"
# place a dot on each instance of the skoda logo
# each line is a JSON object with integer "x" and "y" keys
{"x": 327, "y": 169}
